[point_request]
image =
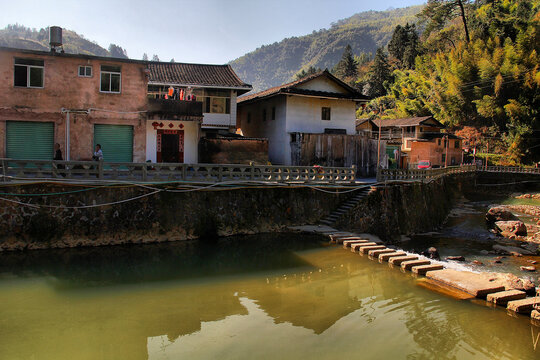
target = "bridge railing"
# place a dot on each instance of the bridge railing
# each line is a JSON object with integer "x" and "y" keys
{"x": 209, "y": 173}
{"x": 421, "y": 175}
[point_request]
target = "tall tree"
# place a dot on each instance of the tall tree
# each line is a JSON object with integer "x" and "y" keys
{"x": 303, "y": 73}
{"x": 438, "y": 13}
{"x": 145, "y": 57}
{"x": 347, "y": 67}
{"x": 155, "y": 58}
{"x": 117, "y": 51}
{"x": 379, "y": 74}
{"x": 404, "y": 45}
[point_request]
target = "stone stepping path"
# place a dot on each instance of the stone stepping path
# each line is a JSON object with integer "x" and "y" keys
{"x": 423, "y": 269}
{"x": 399, "y": 259}
{"x": 503, "y": 297}
{"x": 377, "y": 253}
{"x": 523, "y": 306}
{"x": 407, "y": 265}
{"x": 475, "y": 284}
{"x": 349, "y": 243}
{"x": 387, "y": 256}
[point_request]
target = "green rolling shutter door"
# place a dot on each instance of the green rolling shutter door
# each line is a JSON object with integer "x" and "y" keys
{"x": 116, "y": 142}
{"x": 29, "y": 140}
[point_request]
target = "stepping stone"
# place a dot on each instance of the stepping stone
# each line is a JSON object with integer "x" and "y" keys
{"x": 399, "y": 259}
{"x": 386, "y": 257}
{"x": 423, "y": 269}
{"x": 407, "y": 265}
{"x": 337, "y": 238}
{"x": 365, "y": 249}
{"x": 535, "y": 314}
{"x": 377, "y": 253}
{"x": 472, "y": 283}
{"x": 357, "y": 247}
{"x": 523, "y": 306}
{"x": 503, "y": 297}
{"x": 348, "y": 243}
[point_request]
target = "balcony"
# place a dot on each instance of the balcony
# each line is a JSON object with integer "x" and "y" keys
{"x": 175, "y": 109}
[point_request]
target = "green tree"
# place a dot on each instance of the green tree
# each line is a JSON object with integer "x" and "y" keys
{"x": 438, "y": 13}
{"x": 378, "y": 76}
{"x": 155, "y": 58}
{"x": 404, "y": 45}
{"x": 347, "y": 67}
{"x": 303, "y": 73}
{"x": 145, "y": 57}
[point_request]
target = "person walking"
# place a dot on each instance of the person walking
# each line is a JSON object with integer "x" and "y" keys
{"x": 58, "y": 156}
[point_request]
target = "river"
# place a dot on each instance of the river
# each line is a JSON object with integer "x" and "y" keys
{"x": 279, "y": 296}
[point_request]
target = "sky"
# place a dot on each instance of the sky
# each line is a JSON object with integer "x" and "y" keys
{"x": 196, "y": 31}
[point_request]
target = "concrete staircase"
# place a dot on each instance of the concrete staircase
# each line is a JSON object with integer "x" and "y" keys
{"x": 345, "y": 207}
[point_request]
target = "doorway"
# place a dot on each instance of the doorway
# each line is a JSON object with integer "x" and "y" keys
{"x": 170, "y": 146}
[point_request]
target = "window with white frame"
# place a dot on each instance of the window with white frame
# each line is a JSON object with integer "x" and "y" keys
{"x": 28, "y": 73}
{"x": 85, "y": 71}
{"x": 111, "y": 79}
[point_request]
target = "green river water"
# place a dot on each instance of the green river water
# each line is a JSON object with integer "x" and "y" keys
{"x": 256, "y": 297}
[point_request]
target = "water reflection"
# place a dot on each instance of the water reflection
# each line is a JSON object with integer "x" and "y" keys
{"x": 276, "y": 297}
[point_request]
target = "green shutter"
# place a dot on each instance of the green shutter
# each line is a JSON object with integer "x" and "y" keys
{"x": 29, "y": 140}
{"x": 116, "y": 142}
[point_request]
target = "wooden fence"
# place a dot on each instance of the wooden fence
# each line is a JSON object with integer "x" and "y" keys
{"x": 156, "y": 172}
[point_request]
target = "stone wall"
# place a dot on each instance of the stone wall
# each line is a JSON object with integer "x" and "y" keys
{"x": 233, "y": 151}
{"x": 405, "y": 208}
{"x": 164, "y": 216}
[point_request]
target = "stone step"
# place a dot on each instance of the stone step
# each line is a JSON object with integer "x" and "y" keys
{"x": 399, "y": 259}
{"x": 348, "y": 243}
{"x": 407, "y": 265}
{"x": 503, "y": 297}
{"x": 357, "y": 247}
{"x": 523, "y": 306}
{"x": 377, "y": 253}
{"x": 423, "y": 269}
{"x": 386, "y": 257}
{"x": 326, "y": 222}
{"x": 335, "y": 236}
{"x": 535, "y": 315}
{"x": 366, "y": 249}
{"x": 340, "y": 239}
{"x": 472, "y": 283}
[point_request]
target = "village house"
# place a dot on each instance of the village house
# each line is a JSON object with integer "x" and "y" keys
{"x": 312, "y": 107}
{"x": 216, "y": 87}
{"x": 79, "y": 101}
{"x": 76, "y": 101}
{"x": 410, "y": 140}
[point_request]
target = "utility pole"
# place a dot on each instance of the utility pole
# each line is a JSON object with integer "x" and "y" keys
{"x": 446, "y": 156}
{"x": 379, "y": 146}
{"x": 487, "y": 154}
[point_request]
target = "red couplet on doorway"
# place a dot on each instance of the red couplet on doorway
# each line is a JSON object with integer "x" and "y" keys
{"x": 170, "y": 146}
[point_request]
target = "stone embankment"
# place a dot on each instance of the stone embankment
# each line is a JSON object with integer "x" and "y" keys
{"x": 500, "y": 289}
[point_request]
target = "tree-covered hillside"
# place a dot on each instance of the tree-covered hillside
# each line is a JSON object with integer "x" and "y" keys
{"x": 21, "y": 37}
{"x": 274, "y": 64}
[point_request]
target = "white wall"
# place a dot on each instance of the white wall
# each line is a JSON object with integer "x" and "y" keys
{"x": 323, "y": 84}
{"x": 273, "y": 130}
{"x": 228, "y": 120}
{"x": 191, "y": 140}
{"x": 304, "y": 115}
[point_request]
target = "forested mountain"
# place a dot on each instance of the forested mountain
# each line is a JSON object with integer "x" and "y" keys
{"x": 274, "y": 64}
{"x": 21, "y": 37}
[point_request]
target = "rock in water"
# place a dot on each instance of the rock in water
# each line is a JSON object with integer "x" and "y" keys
{"x": 476, "y": 262}
{"x": 499, "y": 213}
{"x": 455, "y": 258}
{"x": 508, "y": 228}
{"x": 431, "y": 253}
{"x": 511, "y": 281}
{"x": 527, "y": 268}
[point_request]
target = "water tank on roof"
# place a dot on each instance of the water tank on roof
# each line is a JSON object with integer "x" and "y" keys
{"x": 55, "y": 36}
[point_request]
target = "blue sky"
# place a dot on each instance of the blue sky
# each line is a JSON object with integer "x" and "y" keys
{"x": 200, "y": 31}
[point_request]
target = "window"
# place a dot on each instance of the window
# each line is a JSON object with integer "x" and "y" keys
{"x": 217, "y": 101}
{"x": 28, "y": 73}
{"x": 439, "y": 142}
{"x": 85, "y": 71}
{"x": 325, "y": 113}
{"x": 456, "y": 144}
{"x": 264, "y": 115}
{"x": 110, "y": 79}
{"x": 273, "y": 113}
{"x": 445, "y": 142}
{"x": 249, "y": 117}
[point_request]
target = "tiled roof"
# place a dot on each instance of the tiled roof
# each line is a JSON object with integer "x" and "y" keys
{"x": 289, "y": 88}
{"x": 195, "y": 74}
{"x": 413, "y": 121}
